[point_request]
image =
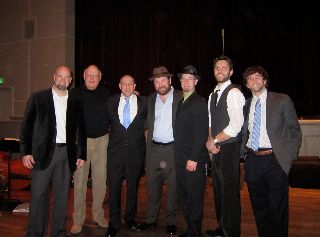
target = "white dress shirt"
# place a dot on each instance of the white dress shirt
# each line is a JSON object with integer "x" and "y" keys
{"x": 133, "y": 107}
{"x": 264, "y": 141}
{"x": 235, "y": 103}
{"x": 60, "y": 109}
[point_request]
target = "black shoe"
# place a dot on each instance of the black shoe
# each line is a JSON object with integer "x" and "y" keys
{"x": 111, "y": 232}
{"x": 171, "y": 229}
{"x": 216, "y": 233}
{"x": 132, "y": 225}
{"x": 183, "y": 235}
{"x": 145, "y": 226}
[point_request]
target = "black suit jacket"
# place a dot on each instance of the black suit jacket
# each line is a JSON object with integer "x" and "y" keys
{"x": 191, "y": 130}
{"x": 38, "y": 130}
{"x": 132, "y": 138}
{"x": 282, "y": 127}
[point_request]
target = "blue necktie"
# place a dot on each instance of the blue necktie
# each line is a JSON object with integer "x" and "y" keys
{"x": 256, "y": 126}
{"x": 126, "y": 113}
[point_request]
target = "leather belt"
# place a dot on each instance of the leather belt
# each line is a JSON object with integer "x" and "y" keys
{"x": 60, "y": 144}
{"x": 262, "y": 152}
{"x": 161, "y": 143}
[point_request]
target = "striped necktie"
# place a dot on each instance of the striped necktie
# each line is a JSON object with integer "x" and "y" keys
{"x": 126, "y": 113}
{"x": 256, "y": 126}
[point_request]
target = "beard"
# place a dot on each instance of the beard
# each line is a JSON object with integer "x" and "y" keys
{"x": 163, "y": 90}
{"x": 62, "y": 87}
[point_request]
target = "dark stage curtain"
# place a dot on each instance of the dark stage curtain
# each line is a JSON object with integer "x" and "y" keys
{"x": 133, "y": 36}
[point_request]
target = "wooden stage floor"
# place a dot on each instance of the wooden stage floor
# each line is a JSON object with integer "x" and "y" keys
{"x": 304, "y": 214}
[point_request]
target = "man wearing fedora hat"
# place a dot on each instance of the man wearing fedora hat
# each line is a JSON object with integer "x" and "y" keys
{"x": 191, "y": 155}
{"x": 160, "y": 165}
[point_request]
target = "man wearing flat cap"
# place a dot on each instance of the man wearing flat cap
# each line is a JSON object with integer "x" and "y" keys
{"x": 191, "y": 155}
{"x": 160, "y": 164}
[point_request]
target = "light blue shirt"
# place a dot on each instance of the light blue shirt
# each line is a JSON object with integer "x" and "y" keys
{"x": 163, "y": 131}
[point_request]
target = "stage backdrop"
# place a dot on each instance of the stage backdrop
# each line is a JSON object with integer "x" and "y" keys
{"x": 133, "y": 36}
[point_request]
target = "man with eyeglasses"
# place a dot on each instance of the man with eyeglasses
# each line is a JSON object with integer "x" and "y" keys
{"x": 191, "y": 156}
{"x": 94, "y": 98}
{"x": 53, "y": 145}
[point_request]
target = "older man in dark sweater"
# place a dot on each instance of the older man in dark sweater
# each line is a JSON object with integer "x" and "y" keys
{"x": 97, "y": 121}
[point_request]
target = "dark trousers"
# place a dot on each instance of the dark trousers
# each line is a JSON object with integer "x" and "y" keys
{"x": 58, "y": 174}
{"x": 129, "y": 168}
{"x": 268, "y": 190}
{"x": 226, "y": 188}
{"x": 161, "y": 168}
{"x": 191, "y": 189}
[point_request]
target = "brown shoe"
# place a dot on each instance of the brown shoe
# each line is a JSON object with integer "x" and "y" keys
{"x": 102, "y": 223}
{"x": 76, "y": 228}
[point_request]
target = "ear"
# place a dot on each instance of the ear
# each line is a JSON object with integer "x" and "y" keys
{"x": 196, "y": 82}
{"x": 120, "y": 86}
{"x": 231, "y": 72}
{"x": 265, "y": 82}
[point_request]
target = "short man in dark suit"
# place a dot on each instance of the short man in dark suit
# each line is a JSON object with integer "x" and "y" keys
{"x": 271, "y": 141}
{"x": 126, "y": 152}
{"x": 53, "y": 145}
{"x": 160, "y": 163}
{"x": 190, "y": 136}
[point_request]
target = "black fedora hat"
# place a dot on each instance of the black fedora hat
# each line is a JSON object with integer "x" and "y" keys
{"x": 161, "y": 71}
{"x": 190, "y": 69}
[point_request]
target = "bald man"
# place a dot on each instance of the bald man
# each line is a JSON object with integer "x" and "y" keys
{"x": 94, "y": 98}
{"x": 53, "y": 145}
{"x": 126, "y": 152}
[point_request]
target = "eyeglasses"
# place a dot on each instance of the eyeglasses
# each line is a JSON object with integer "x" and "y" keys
{"x": 187, "y": 79}
{"x": 63, "y": 77}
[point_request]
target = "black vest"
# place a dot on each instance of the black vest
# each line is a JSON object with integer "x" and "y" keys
{"x": 219, "y": 116}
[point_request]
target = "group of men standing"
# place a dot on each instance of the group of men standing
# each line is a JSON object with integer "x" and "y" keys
{"x": 171, "y": 133}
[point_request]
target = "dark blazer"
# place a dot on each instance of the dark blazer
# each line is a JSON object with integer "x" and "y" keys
{"x": 133, "y": 138}
{"x": 38, "y": 130}
{"x": 191, "y": 130}
{"x": 177, "y": 95}
{"x": 282, "y": 127}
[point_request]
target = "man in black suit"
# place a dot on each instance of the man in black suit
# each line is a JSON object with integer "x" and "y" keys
{"x": 160, "y": 163}
{"x": 126, "y": 152}
{"x": 271, "y": 141}
{"x": 190, "y": 135}
{"x": 53, "y": 145}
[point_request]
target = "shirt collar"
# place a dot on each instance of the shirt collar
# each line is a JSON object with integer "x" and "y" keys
{"x": 222, "y": 86}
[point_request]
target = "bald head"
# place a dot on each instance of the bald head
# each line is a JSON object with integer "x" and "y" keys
{"x": 62, "y": 79}
{"x": 127, "y": 85}
{"x": 92, "y": 77}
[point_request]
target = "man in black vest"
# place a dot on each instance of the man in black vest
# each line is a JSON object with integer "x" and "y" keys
{"x": 225, "y": 121}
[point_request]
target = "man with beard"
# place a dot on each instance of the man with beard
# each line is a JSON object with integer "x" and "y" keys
{"x": 160, "y": 164}
{"x": 225, "y": 121}
{"x": 53, "y": 144}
